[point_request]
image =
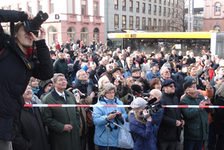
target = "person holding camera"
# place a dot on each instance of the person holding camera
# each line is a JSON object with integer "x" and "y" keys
{"x": 106, "y": 132}
{"x": 196, "y": 127}
{"x": 22, "y": 55}
{"x": 143, "y": 131}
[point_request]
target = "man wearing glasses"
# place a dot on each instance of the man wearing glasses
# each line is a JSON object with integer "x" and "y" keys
{"x": 170, "y": 127}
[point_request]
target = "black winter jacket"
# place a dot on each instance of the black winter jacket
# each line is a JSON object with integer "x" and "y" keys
{"x": 14, "y": 77}
{"x": 168, "y": 131}
{"x": 30, "y": 132}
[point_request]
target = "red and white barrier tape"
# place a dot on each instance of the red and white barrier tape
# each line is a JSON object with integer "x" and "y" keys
{"x": 74, "y": 105}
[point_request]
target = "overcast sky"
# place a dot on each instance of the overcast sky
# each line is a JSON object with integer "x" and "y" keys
{"x": 197, "y": 3}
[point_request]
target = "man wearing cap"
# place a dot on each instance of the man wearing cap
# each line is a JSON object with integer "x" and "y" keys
{"x": 154, "y": 73}
{"x": 170, "y": 127}
{"x": 196, "y": 119}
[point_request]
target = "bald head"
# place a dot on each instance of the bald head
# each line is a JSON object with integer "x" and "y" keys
{"x": 155, "y": 93}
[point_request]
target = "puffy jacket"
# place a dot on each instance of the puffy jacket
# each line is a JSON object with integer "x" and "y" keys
{"x": 99, "y": 118}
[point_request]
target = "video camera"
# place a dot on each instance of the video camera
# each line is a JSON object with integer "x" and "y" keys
{"x": 34, "y": 24}
{"x": 152, "y": 108}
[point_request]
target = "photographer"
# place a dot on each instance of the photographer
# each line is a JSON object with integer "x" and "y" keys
{"x": 103, "y": 116}
{"x": 18, "y": 62}
{"x": 143, "y": 131}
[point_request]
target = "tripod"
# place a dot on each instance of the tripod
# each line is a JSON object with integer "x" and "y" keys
{"x": 107, "y": 126}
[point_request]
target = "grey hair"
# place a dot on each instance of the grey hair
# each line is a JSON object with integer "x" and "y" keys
{"x": 220, "y": 91}
{"x": 100, "y": 81}
{"x": 163, "y": 68}
{"x": 107, "y": 88}
{"x": 56, "y": 75}
{"x": 78, "y": 72}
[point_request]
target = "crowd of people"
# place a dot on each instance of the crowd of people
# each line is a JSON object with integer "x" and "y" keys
{"x": 75, "y": 73}
{"x": 96, "y": 75}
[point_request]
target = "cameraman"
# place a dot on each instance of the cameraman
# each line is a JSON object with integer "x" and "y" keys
{"x": 17, "y": 66}
{"x": 143, "y": 131}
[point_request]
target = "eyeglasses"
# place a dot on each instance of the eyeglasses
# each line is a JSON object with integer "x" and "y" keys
{"x": 110, "y": 92}
{"x": 171, "y": 86}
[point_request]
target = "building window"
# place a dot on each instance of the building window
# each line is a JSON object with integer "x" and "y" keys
{"x": 160, "y": 22}
{"x": 168, "y": 12}
{"x": 164, "y": 24}
{"x": 137, "y": 22}
{"x": 149, "y": 23}
{"x": 96, "y": 9}
{"x": 154, "y": 22}
{"x": 173, "y": 13}
{"x": 164, "y": 2}
{"x": 131, "y": 5}
{"x": 217, "y": 28}
{"x": 130, "y": 22}
{"x": 155, "y": 7}
{"x": 217, "y": 9}
{"x": 96, "y": 35}
{"x": 164, "y": 12}
{"x": 71, "y": 34}
{"x": 83, "y": 7}
{"x": 143, "y": 7}
{"x": 29, "y": 8}
{"x": 143, "y": 23}
{"x": 160, "y": 1}
{"x": 150, "y": 9}
{"x": 154, "y": 1}
{"x": 51, "y": 7}
{"x": 116, "y": 21}
{"x": 137, "y": 6}
{"x": 124, "y": 5}
{"x": 52, "y": 38}
{"x": 123, "y": 22}
{"x": 40, "y": 4}
{"x": 160, "y": 10}
{"x": 84, "y": 35}
{"x": 116, "y": 4}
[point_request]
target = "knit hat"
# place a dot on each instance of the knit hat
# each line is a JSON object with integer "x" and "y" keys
{"x": 188, "y": 81}
{"x": 138, "y": 103}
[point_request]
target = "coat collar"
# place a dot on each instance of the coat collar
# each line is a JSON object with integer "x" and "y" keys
{"x": 56, "y": 96}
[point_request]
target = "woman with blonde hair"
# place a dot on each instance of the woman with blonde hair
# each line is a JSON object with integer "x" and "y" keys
{"x": 143, "y": 131}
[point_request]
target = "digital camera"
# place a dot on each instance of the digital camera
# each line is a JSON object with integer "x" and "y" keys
{"x": 34, "y": 24}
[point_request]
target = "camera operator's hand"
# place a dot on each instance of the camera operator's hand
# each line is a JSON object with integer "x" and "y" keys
{"x": 146, "y": 113}
{"x": 41, "y": 37}
{"x": 68, "y": 127}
